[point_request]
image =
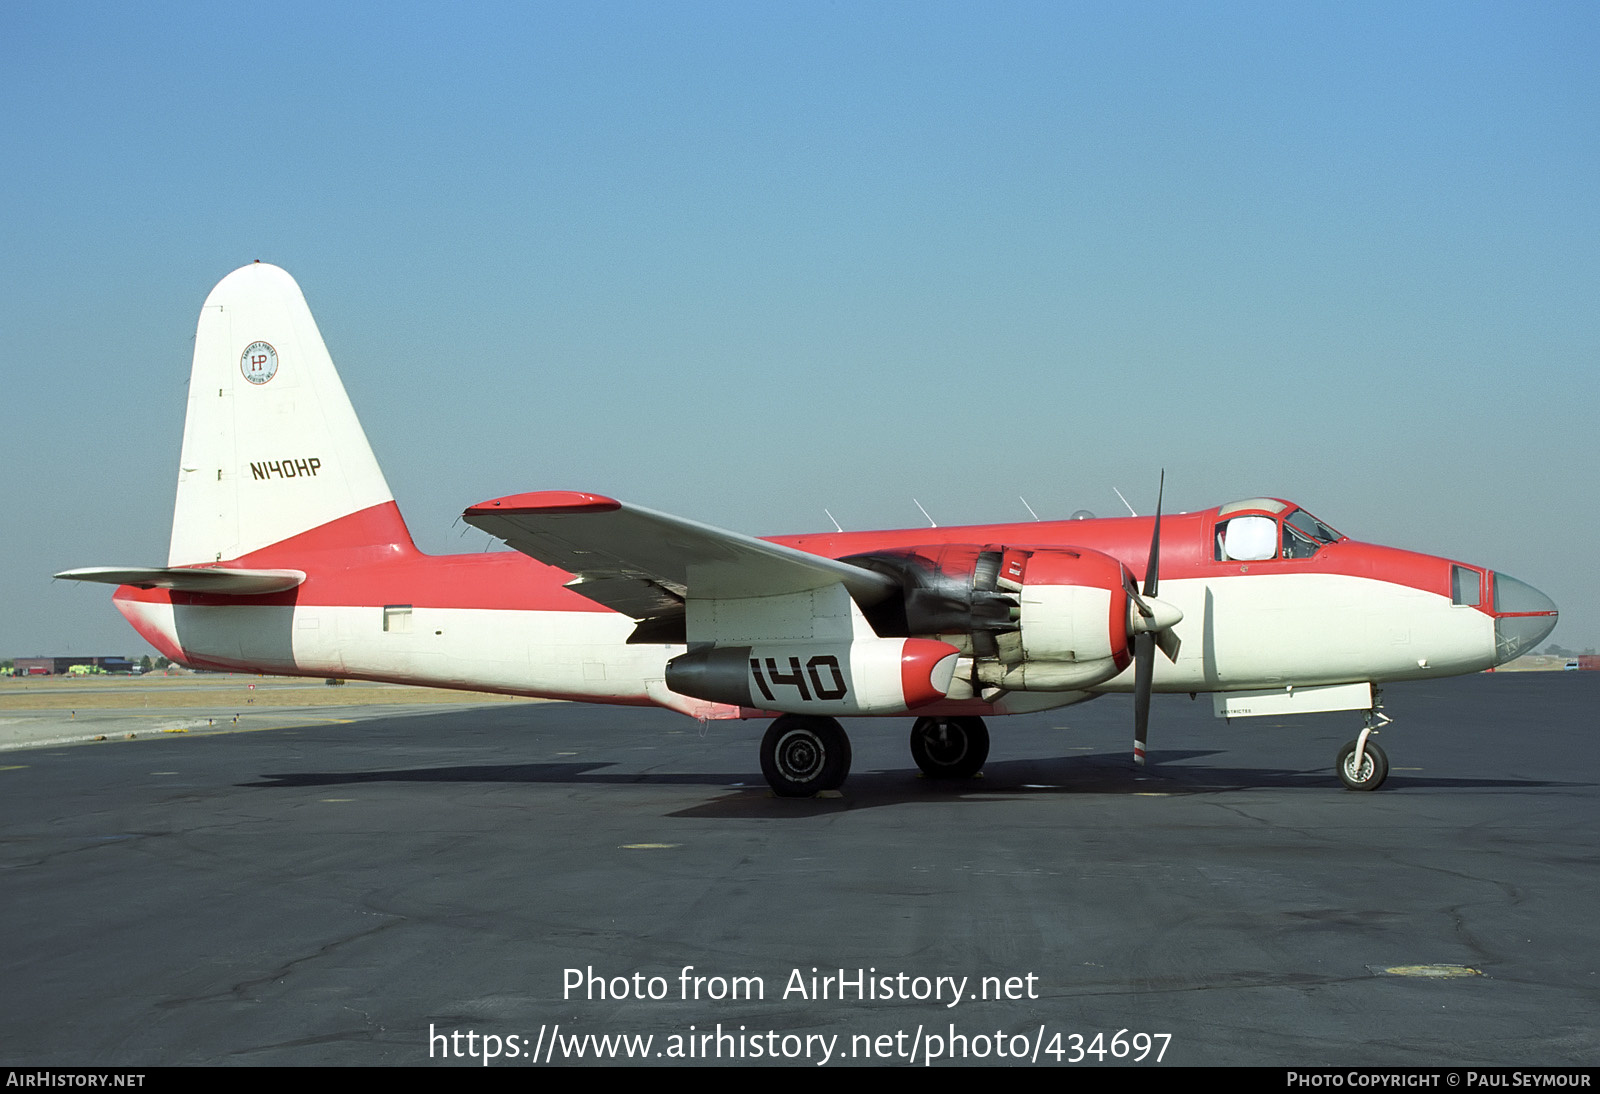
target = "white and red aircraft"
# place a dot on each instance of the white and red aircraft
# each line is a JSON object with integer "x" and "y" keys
{"x": 289, "y": 556}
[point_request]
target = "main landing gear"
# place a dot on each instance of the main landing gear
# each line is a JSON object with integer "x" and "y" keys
{"x": 1362, "y": 765}
{"x": 949, "y": 748}
{"x": 803, "y": 754}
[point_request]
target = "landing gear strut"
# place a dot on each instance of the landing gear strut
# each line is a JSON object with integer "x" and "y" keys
{"x": 950, "y": 748}
{"x": 1362, "y": 765}
{"x": 802, "y": 754}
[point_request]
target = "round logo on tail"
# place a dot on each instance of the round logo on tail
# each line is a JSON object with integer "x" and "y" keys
{"x": 259, "y": 362}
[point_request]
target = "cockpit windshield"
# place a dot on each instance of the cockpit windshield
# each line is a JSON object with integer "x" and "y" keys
{"x": 1312, "y": 527}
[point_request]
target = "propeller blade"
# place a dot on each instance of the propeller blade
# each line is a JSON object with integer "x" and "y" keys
{"x": 1144, "y": 642}
{"x": 1144, "y": 663}
{"x": 1152, "y": 585}
{"x": 1169, "y": 643}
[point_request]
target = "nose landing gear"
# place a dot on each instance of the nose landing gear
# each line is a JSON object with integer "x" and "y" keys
{"x": 1362, "y": 764}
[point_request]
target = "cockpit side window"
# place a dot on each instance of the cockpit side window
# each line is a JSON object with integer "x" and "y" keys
{"x": 1257, "y": 537}
{"x": 1296, "y": 544}
{"x": 1247, "y": 539}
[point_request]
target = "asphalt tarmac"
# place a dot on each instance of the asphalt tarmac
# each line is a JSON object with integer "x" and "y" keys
{"x": 440, "y": 885}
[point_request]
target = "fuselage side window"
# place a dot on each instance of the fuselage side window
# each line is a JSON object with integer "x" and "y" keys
{"x": 1465, "y": 586}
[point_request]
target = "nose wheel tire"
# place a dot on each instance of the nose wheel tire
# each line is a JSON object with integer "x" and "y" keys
{"x": 1373, "y": 770}
{"x": 801, "y": 755}
{"x": 950, "y": 748}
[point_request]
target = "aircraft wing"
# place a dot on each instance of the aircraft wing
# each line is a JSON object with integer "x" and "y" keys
{"x": 645, "y": 564}
{"x": 191, "y": 579}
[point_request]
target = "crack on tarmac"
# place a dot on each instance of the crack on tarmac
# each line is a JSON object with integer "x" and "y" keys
{"x": 81, "y": 845}
{"x": 241, "y": 989}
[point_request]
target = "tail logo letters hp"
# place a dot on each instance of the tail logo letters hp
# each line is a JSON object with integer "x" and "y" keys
{"x": 259, "y": 362}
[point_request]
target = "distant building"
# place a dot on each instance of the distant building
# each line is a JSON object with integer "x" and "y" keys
{"x": 58, "y": 666}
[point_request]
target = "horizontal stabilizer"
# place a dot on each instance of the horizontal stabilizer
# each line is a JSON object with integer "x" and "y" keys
{"x": 619, "y": 551}
{"x": 189, "y": 580}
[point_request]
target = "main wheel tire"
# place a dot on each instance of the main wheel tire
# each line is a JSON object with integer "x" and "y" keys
{"x": 801, "y": 755}
{"x": 1374, "y": 767}
{"x": 950, "y": 748}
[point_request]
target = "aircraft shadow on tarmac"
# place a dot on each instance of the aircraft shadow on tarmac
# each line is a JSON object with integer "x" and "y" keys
{"x": 746, "y": 794}
{"x": 638, "y": 749}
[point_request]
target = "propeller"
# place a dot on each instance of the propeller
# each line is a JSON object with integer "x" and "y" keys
{"x": 1151, "y": 622}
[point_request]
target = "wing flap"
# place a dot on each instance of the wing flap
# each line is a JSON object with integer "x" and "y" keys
{"x": 616, "y": 550}
{"x": 191, "y": 580}
{"x": 638, "y": 598}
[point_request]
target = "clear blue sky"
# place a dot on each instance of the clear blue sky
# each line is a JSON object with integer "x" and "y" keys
{"x": 746, "y": 261}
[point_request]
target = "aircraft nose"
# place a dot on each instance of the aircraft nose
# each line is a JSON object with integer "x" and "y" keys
{"x": 1523, "y": 616}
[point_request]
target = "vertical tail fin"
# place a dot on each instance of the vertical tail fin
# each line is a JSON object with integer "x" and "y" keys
{"x": 271, "y": 445}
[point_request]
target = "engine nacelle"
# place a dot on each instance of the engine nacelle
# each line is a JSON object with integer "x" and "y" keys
{"x": 1074, "y": 608}
{"x": 1032, "y": 619}
{"x": 862, "y": 676}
